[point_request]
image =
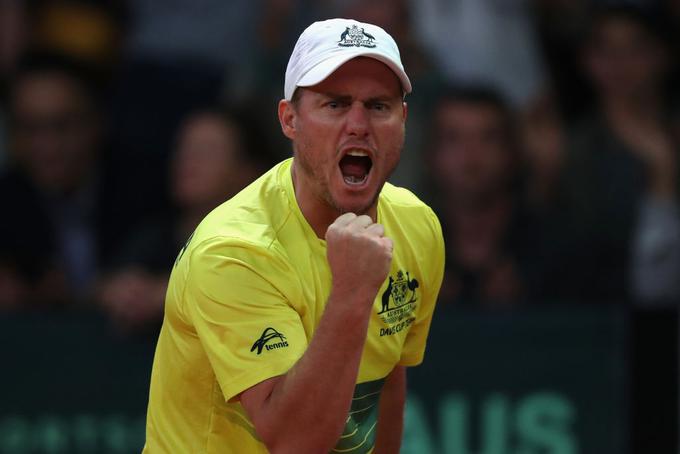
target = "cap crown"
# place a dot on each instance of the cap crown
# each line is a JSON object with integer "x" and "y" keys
{"x": 326, "y": 45}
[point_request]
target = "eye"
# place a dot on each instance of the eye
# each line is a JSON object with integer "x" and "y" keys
{"x": 336, "y": 103}
{"x": 379, "y": 106}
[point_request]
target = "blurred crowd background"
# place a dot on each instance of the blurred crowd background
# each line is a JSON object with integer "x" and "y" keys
{"x": 545, "y": 133}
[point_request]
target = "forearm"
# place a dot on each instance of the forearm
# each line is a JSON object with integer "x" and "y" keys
{"x": 317, "y": 392}
{"x": 306, "y": 409}
{"x": 391, "y": 413}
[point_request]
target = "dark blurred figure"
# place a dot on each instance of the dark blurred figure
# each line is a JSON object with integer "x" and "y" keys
{"x": 620, "y": 178}
{"x": 475, "y": 165}
{"x": 13, "y": 37}
{"x": 213, "y": 161}
{"x": 490, "y": 42}
{"x": 90, "y": 31}
{"x": 560, "y": 26}
{"x": 61, "y": 209}
{"x": 177, "y": 56}
{"x": 543, "y": 133}
{"x": 13, "y": 24}
{"x": 671, "y": 12}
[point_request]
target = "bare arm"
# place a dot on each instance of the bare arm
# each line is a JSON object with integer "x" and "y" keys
{"x": 391, "y": 413}
{"x": 305, "y": 410}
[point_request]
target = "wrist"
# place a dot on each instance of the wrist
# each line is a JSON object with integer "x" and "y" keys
{"x": 356, "y": 301}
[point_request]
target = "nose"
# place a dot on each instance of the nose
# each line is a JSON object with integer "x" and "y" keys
{"x": 357, "y": 120}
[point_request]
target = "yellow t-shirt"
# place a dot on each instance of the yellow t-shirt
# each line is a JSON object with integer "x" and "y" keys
{"x": 245, "y": 296}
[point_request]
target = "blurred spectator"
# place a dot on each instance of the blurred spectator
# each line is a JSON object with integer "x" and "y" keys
{"x": 3, "y": 139}
{"x": 13, "y": 33}
{"x": 259, "y": 83}
{"x": 560, "y": 27}
{"x": 13, "y": 36}
{"x": 543, "y": 137}
{"x": 490, "y": 42}
{"x": 656, "y": 252}
{"x": 621, "y": 168}
{"x": 86, "y": 30}
{"x": 177, "y": 57}
{"x": 62, "y": 209}
{"x": 212, "y": 162}
{"x": 475, "y": 164}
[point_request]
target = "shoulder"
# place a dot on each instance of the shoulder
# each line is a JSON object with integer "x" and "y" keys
{"x": 399, "y": 196}
{"x": 246, "y": 225}
{"x": 404, "y": 206}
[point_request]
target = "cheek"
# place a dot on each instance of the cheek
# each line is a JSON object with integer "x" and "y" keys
{"x": 392, "y": 143}
{"x": 316, "y": 148}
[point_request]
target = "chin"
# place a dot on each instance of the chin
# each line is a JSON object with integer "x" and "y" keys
{"x": 356, "y": 205}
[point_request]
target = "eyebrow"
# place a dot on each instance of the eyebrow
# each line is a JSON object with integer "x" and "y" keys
{"x": 347, "y": 98}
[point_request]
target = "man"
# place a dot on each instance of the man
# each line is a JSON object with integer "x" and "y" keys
{"x": 63, "y": 207}
{"x": 295, "y": 307}
{"x": 620, "y": 176}
{"x": 474, "y": 162}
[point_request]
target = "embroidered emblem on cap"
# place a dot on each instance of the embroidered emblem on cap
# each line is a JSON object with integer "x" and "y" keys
{"x": 356, "y": 37}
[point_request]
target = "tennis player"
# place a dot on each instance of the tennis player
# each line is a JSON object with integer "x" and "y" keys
{"x": 295, "y": 307}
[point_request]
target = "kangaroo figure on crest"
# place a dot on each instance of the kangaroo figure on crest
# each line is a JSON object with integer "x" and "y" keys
{"x": 386, "y": 296}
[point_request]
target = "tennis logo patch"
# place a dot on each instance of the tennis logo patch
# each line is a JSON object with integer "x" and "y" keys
{"x": 264, "y": 342}
{"x": 356, "y": 37}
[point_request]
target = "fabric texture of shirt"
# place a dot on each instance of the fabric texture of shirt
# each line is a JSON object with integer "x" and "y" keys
{"x": 245, "y": 297}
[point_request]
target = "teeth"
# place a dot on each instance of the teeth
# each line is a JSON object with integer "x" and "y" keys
{"x": 357, "y": 153}
{"x": 350, "y": 179}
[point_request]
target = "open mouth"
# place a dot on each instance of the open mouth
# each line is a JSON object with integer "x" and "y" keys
{"x": 355, "y": 167}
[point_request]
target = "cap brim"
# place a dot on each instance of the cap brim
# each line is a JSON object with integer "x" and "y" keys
{"x": 327, "y": 67}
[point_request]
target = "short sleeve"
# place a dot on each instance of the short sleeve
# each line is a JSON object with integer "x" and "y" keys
{"x": 413, "y": 350}
{"x": 237, "y": 298}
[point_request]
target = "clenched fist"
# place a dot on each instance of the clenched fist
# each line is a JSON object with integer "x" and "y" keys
{"x": 359, "y": 255}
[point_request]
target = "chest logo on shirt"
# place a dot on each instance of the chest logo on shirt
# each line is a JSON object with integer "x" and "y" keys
{"x": 399, "y": 301}
{"x": 268, "y": 335}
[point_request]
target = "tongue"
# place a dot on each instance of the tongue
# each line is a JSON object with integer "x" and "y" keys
{"x": 354, "y": 166}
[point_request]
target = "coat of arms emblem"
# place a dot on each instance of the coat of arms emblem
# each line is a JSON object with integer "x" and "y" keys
{"x": 401, "y": 290}
{"x": 356, "y": 37}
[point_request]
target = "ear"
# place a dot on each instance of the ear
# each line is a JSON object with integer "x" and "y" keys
{"x": 287, "y": 116}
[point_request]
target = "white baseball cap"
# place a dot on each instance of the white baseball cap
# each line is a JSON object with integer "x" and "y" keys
{"x": 326, "y": 45}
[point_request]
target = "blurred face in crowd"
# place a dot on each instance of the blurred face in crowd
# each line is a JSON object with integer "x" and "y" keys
{"x": 54, "y": 130}
{"x": 206, "y": 168}
{"x": 623, "y": 59}
{"x": 472, "y": 154}
{"x": 347, "y": 133}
